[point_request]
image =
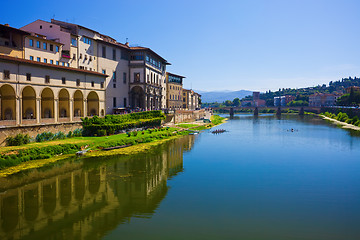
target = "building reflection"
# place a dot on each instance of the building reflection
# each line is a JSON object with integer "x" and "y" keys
{"x": 92, "y": 198}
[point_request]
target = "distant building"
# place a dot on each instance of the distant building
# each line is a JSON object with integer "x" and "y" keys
{"x": 283, "y": 100}
{"x": 174, "y": 94}
{"x": 191, "y": 100}
{"x": 256, "y": 95}
{"x": 322, "y": 99}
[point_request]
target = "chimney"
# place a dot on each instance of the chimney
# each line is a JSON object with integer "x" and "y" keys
{"x": 6, "y": 24}
{"x": 127, "y": 43}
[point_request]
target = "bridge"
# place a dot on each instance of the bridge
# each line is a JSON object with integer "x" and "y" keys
{"x": 277, "y": 110}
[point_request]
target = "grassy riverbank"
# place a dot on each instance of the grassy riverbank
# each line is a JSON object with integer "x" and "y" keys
{"x": 342, "y": 120}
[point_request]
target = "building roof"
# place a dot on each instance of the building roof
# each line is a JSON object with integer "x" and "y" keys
{"x": 57, "y": 67}
{"x": 149, "y": 49}
{"x": 8, "y": 28}
{"x": 175, "y": 75}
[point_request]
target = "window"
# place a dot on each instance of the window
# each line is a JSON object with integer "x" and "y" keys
{"x": 74, "y": 56}
{"x": 47, "y": 79}
{"x": 124, "y": 101}
{"x": 63, "y": 80}
{"x": 32, "y": 58}
{"x": 38, "y": 59}
{"x": 31, "y": 42}
{"x": 67, "y": 64}
{"x": 104, "y": 52}
{"x": 51, "y": 47}
{"x": 102, "y": 84}
{"x": 44, "y": 45}
{"x": 87, "y": 40}
{"x": 63, "y": 63}
{"x": 57, "y": 62}
{"x": 28, "y": 76}
{"x": 38, "y": 44}
{"x": 124, "y": 77}
{"x": 6, "y": 74}
{"x": 57, "y": 49}
{"x": 103, "y": 71}
{"x": 40, "y": 26}
{"x": 114, "y": 54}
{"x": 136, "y": 77}
{"x": 51, "y": 61}
{"x": 78, "y": 82}
{"x": 114, "y": 85}
{"x": 114, "y": 102}
{"x": 92, "y": 84}
{"x": 73, "y": 42}
{"x": 114, "y": 76}
{"x": 147, "y": 77}
{"x": 45, "y": 60}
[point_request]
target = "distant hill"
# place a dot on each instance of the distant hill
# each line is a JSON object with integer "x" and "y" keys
{"x": 221, "y": 96}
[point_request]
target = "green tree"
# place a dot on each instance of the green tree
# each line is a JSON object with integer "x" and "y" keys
{"x": 236, "y": 102}
{"x": 228, "y": 103}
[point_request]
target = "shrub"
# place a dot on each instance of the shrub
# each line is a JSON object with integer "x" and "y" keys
{"x": 18, "y": 140}
{"x": 101, "y": 132}
{"x": 77, "y": 132}
{"x": 69, "y": 135}
{"x": 59, "y": 135}
{"x": 135, "y": 133}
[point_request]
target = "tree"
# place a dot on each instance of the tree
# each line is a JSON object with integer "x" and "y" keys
{"x": 228, "y": 103}
{"x": 236, "y": 102}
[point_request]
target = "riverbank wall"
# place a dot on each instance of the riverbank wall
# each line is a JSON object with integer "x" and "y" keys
{"x": 33, "y": 130}
{"x": 179, "y": 116}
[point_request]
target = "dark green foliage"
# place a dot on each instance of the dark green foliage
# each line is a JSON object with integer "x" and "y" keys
{"x": 18, "y": 140}
{"x": 114, "y": 123}
{"x": 101, "y": 132}
{"x": 343, "y": 117}
{"x": 297, "y": 103}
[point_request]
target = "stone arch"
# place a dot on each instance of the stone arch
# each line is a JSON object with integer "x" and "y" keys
{"x": 65, "y": 191}
{"x": 78, "y": 104}
{"x": 28, "y": 103}
{"x": 8, "y": 102}
{"x": 47, "y": 103}
{"x": 49, "y": 197}
{"x": 93, "y": 104}
{"x": 137, "y": 97}
{"x": 94, "y": 181}
{"x": 64, "y": 103}
{"x": 31, "y": 204}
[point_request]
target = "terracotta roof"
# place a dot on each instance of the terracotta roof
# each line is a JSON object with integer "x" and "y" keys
{"x": 26, "y": 61}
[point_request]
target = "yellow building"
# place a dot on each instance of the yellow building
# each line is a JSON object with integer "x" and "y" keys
{"x": 174, "y": 83}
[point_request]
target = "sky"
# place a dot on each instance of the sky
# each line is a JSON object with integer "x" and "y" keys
{"x": 255, "y": 45}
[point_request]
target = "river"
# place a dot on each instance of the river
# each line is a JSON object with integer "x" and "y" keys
{"x": 265, "y": 178}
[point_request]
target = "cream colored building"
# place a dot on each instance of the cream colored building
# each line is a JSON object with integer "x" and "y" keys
{"x": 174, "y": 93}
{"x": 33, "y": 93}
{"x": 191, "y": 100}
{"x": 147, "y": 79}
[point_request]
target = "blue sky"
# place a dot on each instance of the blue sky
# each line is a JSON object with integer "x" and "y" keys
{"x": 218, "y": 45}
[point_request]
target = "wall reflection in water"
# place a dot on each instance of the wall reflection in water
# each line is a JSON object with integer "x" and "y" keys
{"x": 87, "y": 198}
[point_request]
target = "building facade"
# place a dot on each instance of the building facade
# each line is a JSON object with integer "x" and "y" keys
{"x": 174, "y": 93}
{"x": 147, "y": 79}
{"x": 322, "y": 99}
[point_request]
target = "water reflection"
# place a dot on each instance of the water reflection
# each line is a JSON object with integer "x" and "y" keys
{"x": 86, "y": 199}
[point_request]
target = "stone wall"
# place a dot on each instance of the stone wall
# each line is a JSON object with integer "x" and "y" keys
{"x": 188, "y": 116}
{"x": 33, "y": 130}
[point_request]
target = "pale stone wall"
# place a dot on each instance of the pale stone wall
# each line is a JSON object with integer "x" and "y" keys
{"x": 187, "y": 116}
{"x": 36, "y": 129}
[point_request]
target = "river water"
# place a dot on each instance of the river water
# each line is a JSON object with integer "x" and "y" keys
{"x": 265, "y": 178}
